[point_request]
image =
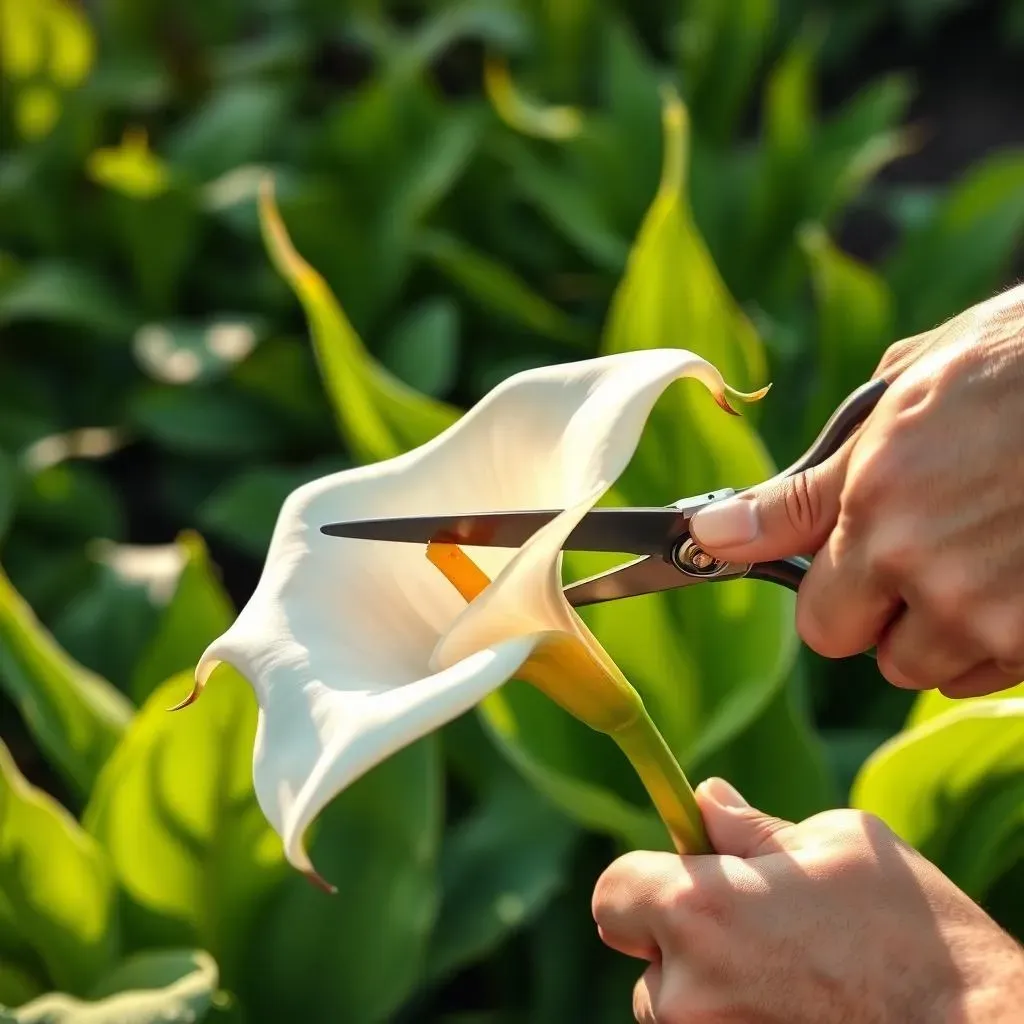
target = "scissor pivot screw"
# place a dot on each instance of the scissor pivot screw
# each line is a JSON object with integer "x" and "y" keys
{"x": 695, "y": 561}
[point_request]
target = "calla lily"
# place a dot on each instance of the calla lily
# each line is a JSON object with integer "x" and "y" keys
{"x": 357, "y": 648}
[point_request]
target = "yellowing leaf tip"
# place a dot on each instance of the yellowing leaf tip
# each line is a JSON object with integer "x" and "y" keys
{"x": 320, "y": 882}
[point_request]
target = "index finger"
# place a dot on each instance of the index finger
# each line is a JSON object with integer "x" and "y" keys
{"x": 631, "y": 899}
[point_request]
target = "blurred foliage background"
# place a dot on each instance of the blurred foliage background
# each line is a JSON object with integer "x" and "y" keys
{"x": 783, "y": 186}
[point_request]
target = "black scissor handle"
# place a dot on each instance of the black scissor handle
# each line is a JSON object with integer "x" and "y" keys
{"x": 843, "y": 422}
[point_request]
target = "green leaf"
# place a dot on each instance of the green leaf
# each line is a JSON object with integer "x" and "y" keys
{"x": 67, "y": 296}
{"x": 198, "y": 612}
{"x": 174, "y": 217}
{"x": 75, "y": 716}
{"x": 423, "y": 350}
{"x": 157, "y": 988}
{"x": 931, "y": 703}
{"x": 206, "y": 421}
{"x": 711, "y": 658}
{"x": 379, "y": 416}
{"x": 498, "y": 289}
{"x": 953, "y": 787}
{"x": 799, "y": 781}
{"x": 855, "y": 324}
{"x": 962, "y": 253}
{"x": 721, "y": 49}
{"x": 356, "y": 956}
{"x": 236, "y": 126}
{"x": 55, "y": 883}
{"x": 175, "y": 810}
{"x": 499, "y": 868}
{"x": 71, "y": 500}
{"x": 243, "y": 511}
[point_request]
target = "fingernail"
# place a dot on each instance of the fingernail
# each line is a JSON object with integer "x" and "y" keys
{"x": 725, "y": 524}
{"x": 723, "y": 793}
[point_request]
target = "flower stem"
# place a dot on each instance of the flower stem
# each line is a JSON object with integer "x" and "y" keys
{"x": 665, "y": 782}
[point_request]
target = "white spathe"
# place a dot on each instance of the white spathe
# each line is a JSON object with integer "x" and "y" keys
{"x": 357, "y": 648}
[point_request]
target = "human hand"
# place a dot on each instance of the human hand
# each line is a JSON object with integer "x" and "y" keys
{"x": 917, "y": 523}
{"x": 830, "y": 921}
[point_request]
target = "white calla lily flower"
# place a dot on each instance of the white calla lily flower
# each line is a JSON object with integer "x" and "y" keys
{"x": 356, "y": 648}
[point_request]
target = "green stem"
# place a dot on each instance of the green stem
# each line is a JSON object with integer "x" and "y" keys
{"x": 665, "y": 781}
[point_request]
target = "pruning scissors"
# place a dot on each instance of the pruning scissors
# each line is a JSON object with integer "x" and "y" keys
{"x": 668, "y": 556}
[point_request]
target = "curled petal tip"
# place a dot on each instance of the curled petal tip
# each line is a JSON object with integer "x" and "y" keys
{"x": 197, "y": 689}
{"x": 722, "y": 401}
{"x": 321, "y": 883}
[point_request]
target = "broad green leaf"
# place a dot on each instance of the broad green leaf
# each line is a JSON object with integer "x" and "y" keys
{"x": 68, "y": 296}
{"x": 175, "y": 810}
{"x": 738, "y": 638}
{"x": 721, "y": 47}
{"x": 205, "y": 421}
{"x": 244, "y": 510}
{"x": 572, "y": 210}
{"x": 156, "y": 988}
{"x": 159, "y": 270}
{"x": 423, "y": 349}
{"x": 706, "y": 660}
{"x": 355, "y": 956}
{"x": 499, "y": 867}
{"x": 930, "y": 703}
{"x": 75, "y": 716}
{"x": 56, "y": 883}
{"x": 70, "y": 499}
{"x": 953, "y": 787}
{"x": 197, "y": 613}
{"x": 498, "y": 289}
{"x": 962, "y": 253}
{"x": 582, "y": 771}
{"x": 379, "y": 416}
{"x": 799, "y": 781}
{"x": 236, "y": 126}
{"x": 855, "y": 324}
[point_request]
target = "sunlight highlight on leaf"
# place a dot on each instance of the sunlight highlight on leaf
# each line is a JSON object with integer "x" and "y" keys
{"x": 556, "y": 123}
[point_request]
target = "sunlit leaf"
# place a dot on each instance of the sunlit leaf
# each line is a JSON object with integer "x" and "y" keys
{"x": 953, "y": 787}
{"x": 75, "y": 716}
{"x": 379, "y": 416}
{"x": 175, "y": 810}
{"x": 36, "y": 111}
{"x": 707, "y": 660}
{"x": 524, "y": 114}
{"x": 55, "y": 883}
{"x": 130, "y": 168}
{"x": 357, "y": 955}
{"x": 154, "y": 988}
{"x": 855, "y": 324}
{"x": 721, "y": 48}
{"x": 962, "y": 253}
{"x": 499, "y": 867}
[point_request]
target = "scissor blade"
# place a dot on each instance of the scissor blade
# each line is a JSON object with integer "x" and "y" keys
{"x": 646, "y": 575}
{"x": 637, "y": 531}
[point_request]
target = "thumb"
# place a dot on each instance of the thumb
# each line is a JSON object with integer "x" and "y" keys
{"x": 737, "y": 829}
{"x": 783, "y": 516}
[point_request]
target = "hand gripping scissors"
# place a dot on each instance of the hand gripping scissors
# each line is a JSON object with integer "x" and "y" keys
{"x": 668, "y": 556}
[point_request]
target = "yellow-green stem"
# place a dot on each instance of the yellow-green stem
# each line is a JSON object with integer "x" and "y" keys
{"x": 665, "y": 782}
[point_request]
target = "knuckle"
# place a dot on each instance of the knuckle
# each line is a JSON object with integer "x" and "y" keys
{"x": 694, "y": 908}
{"x": 813, "y": 624}
{"x": 802, "y": 502}
{"x": 895, "y": 550}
